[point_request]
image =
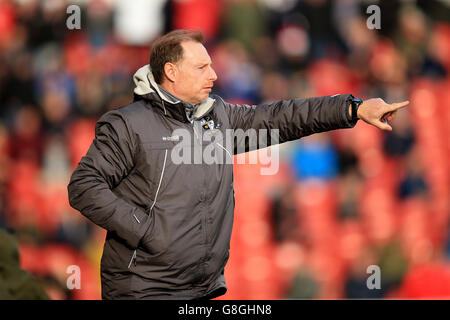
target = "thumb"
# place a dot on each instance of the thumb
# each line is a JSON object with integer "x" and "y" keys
{"x": 383, "y": 125}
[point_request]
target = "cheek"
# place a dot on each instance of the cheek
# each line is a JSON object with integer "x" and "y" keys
{"x": 192, "y": 84}
{"x": 188, "y": 86}
{"x": 198, "y": 84}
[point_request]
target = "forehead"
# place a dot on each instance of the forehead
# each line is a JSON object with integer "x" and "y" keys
{"x": 195, "y": 52}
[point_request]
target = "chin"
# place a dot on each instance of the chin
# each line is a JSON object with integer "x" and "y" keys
{"x": 202, "y": 99}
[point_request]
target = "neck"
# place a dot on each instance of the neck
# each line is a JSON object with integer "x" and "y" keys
{"x": 169, "y": 93}
{"x": 168, "y": 86}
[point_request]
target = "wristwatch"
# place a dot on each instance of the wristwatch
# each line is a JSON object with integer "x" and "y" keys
{"x": 355, "y": 103}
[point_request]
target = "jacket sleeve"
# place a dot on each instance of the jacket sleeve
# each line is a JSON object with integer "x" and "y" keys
{"x": 290, "y": 119}
{"x": 109, "y": 159}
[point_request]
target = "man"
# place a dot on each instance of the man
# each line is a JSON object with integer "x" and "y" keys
{"x": 169, "y": 223}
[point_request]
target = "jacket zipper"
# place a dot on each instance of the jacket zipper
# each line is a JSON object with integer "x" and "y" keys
{"x": 204, "y": 221}
{"x": 195, "y": 131}
{"x": 133, "y": 258}
{"x": 225, "y": 150}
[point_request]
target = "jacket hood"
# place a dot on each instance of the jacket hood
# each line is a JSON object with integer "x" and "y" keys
{"x": 147, "y": 88}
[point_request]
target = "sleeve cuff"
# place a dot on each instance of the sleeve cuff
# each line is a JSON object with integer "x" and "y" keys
{"x": 346, "y": 120}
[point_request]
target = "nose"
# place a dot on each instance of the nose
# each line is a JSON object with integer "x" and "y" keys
{"x": 212, "y": 74}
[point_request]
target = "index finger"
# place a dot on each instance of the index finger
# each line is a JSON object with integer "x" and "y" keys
{"x": 398, "y": 105}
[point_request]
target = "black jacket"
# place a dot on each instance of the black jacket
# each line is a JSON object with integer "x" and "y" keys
{"x": 129, "y": 184}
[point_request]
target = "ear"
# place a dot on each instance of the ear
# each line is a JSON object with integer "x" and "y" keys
{"x": 171, "y": 71}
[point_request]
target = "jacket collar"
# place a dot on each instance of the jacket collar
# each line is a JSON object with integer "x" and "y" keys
{"x": 171, "y": 106}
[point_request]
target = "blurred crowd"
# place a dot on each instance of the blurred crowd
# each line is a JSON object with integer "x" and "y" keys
{"x": 342, "y": 200}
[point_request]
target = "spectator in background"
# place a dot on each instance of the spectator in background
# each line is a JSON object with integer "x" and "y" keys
{"x": 355, "y": 285}
{"x": 447, "y": 243}
{"x": 349, "y": 181}
{"x": 244, "y": 21}
{"x": 241, "y": 77}
{"x": 17, "y": 89}
{"x": 412, "y": 184}
{"x": 412, "y": 36}
{"x": 393, "y": 262}
{"x": 315, "y": 157}
{"x": 284, "y": 214}
{"x": 322, "y": 33}
{"x": 398, "y": 143}
{"x": 303, "y": 286}
{"x": 348, "y": 194}
{"x": 15, "y": 283}
{"x": 27, "y": 139}
{"x": 437, "y": 61}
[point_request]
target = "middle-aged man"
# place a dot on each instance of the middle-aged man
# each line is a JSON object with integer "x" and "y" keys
{"x": 169, "y": 222}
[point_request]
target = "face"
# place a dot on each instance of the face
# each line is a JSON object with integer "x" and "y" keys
{"x": 191, "y": 78}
